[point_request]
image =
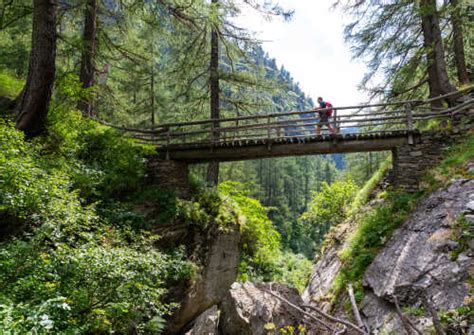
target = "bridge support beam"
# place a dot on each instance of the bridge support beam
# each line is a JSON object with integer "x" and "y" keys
{"x": 169, "y": 175}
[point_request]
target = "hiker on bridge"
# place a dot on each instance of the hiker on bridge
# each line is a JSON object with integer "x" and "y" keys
{"x": 324, "y": 116}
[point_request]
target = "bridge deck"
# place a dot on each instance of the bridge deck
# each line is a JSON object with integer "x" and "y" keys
{"x": 234, "y": 150}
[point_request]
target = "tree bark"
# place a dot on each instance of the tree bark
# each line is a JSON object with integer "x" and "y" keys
{"x": 458, "y": 42}
{"x": 33, "y": 102}
{"x": 89, "y": 47}
{"x": 213, "y": 167}
{"x": 437, "y": 74}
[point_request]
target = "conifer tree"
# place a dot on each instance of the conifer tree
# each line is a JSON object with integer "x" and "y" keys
{"x": 33, "y": 102}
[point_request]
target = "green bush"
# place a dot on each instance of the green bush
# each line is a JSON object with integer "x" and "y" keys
{"x": 10, "y": 87}
{"x": 73, "y": 270}
{"x": 327, "y": 208}
{"x": 370, "y": 235}
{"x": 101, "y": 161}
{"x": 87, "y": 289}
{"x": 261, "y": 256}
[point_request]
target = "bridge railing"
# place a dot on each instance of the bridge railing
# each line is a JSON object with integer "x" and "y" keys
{"x": 406, "y": 116}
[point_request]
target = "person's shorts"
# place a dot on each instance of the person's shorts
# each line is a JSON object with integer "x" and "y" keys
{"x": 323, "y": 119}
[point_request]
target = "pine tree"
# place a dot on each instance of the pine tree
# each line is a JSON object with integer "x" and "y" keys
{"x": 33, "y": 102}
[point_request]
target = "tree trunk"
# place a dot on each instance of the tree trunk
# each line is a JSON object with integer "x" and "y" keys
{"x": 213, "y": 168}
{"x": 89, "y": 40}
{"x": 152, "y": 91}
{"x": 458, "y": 42}
{"x": 33, "y": 102}
{"x": 437, "y": 75}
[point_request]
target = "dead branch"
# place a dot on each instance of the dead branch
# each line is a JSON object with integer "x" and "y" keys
{"x": 327, "y": 326}
{"x": 355, "y": 310}
{"x": 434, "y": 315}
{"x": 334, "y": 319}
{"x": 406, "y": 322}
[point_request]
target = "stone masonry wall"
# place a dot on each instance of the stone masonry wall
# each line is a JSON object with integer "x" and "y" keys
{"x": 169, "y": 175}
{"x": 410, "y": 162}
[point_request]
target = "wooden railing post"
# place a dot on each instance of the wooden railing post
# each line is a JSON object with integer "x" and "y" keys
{"x": 334, "y": 121}
{"x": 268, "y": 128}
{"x": 168, "y": 141}
{"x": 409, "y": 112}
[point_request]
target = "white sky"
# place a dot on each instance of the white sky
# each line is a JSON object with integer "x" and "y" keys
{"x": 312, "y": 49}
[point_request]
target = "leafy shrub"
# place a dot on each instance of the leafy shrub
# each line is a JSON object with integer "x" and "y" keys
{"x": 74, "y": 271}
{"x": 92, "y": 288}
{"x": 9, "y": 86}
{"x": 327, "y": 208}
{"x": 259, "y": 240}
{"x": 101, "y": 161}
{"x": 261, "y": 255}
{"x": 28, "y": 188}
{"x": 371, "y": 233}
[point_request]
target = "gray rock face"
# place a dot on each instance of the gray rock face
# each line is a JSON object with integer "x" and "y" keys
{"x": 322, "y": 277}
{"x": 207, "y": 323}
{"x": 219, "y": 257}
{"x": 418, "y": 255}
{"x": 248, "y": 308}
{"x": 419, "y": 258}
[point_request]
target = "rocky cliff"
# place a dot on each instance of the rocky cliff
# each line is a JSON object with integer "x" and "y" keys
{"x": 427, "y": 262}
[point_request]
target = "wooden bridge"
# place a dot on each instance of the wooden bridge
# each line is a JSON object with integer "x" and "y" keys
{"x": 375, "y": 127}
{"x": 359, "y": 128}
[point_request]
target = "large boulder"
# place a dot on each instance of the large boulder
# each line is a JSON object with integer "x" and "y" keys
{"x": 249, "y": 309}
{"x": 216, "y": 251}
{"x": 207, "y": 323}
{"x": 420, "y": 258}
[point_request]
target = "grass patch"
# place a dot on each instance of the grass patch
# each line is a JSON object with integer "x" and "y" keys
{"x": 453, "y": 165}
{"x": 463, "y": 233}
{"x": 10, "y": 86}
{"x": 363, "y": 195}
{"x": 373, "y": 230}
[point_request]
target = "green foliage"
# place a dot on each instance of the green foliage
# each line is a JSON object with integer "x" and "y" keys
{"x": 261, "y": 255}
{"x": 370, "y": 235}
{"x": 28, "y": 189}
{"x": 327, "y": 208}
{"x": 463, "y": 232}
{"x": 100, "y": 160}
{"x": 457, "y": 321}
{"x": 414, "y": 311}
{"x": 76, "y": 269}
{"x": 259, "y": 238}
{"x": 88, "y": 289}
{"x": 363, "y": 194}
{"x": 9, "y": 86}
{"x": 453, "y": 164}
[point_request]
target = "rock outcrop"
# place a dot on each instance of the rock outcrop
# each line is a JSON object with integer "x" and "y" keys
{"x": 207, "y": 323}
{"x": 217, "y": 253}
{"x": 420, "y": 259}
{"x": 248, "y": 308}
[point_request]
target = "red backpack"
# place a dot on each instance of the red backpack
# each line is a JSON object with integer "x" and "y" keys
{"x": 329, "y": 111}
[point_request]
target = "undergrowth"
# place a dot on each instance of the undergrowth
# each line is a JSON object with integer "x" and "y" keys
{"x": 262, "y": 258}
{"x": 78, "y": 258}
{"x": 453, "y": 165}
{"x": 372, "y": 231}
{"x": 10, "y": 86}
